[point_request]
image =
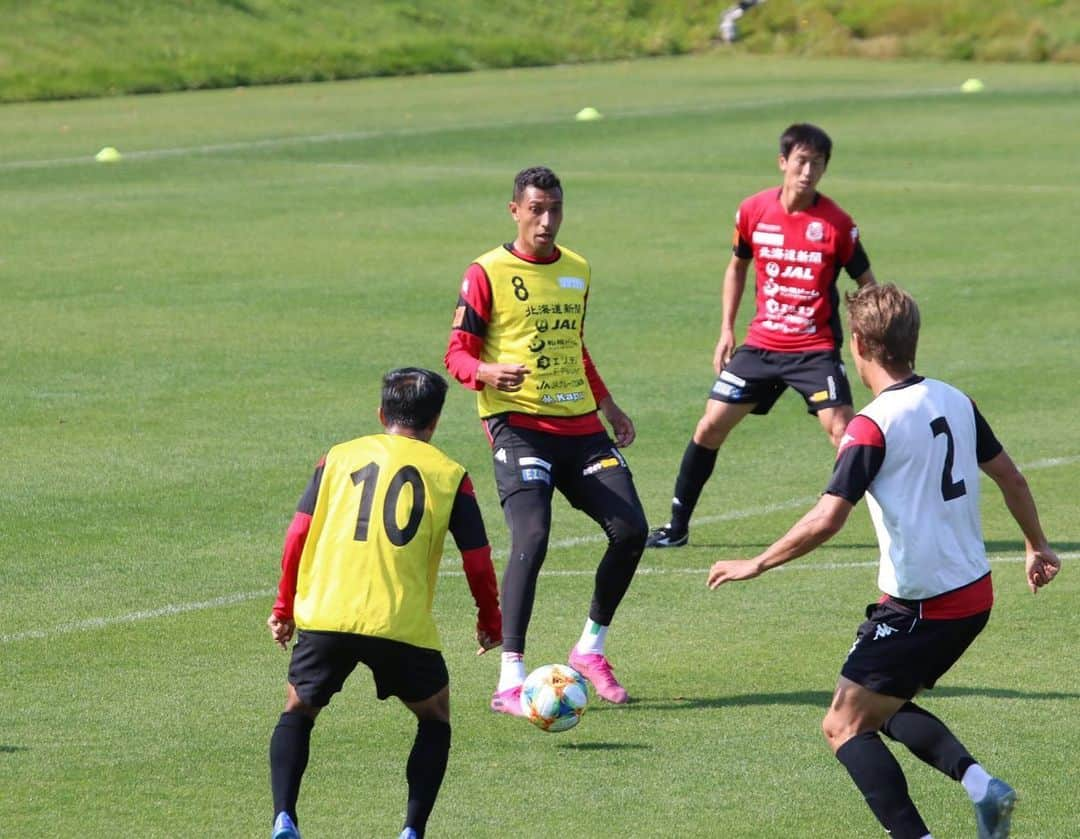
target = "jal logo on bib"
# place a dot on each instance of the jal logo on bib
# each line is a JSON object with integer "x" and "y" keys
{"x": 815, "y": 231}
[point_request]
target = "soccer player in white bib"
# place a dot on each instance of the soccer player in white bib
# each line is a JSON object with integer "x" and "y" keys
{"x": 915, "y": 452}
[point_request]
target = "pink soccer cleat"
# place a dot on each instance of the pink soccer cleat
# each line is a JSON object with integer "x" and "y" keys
{"x": 508, "y": 701}
{"x": 597, "y": 669}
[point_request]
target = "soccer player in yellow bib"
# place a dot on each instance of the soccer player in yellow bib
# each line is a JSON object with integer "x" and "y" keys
{"x": 358, "y": 576}
{"x": 518, "y": 341}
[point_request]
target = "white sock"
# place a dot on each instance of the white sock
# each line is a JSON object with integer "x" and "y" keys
{"x": 512, "y": 672}
{"x": 592, "y": 638}
{"x": 976, "y": 781}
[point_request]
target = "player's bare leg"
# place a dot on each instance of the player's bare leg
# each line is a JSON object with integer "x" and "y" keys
{"x": 851, "y": 727}
{"x": 834, "y": 421}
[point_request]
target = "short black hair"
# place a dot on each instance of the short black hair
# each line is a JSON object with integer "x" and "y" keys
{"x": 412, "y": 397}
{"x": 538, "y": 176}
{"x": 807, "y": 135}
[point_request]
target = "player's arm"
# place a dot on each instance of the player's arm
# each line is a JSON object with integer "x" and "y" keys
{"x": 858, "y": 460}
{"x": 858, "y": 264}
{"x": 471, "y": 318}
{"x": 1041, "y": 564}
{"x": 734, "y": 285}
{"x": 820, "y": 524}
{"x": 470, "y": 536}
{"x": 281, "y": 623}
{"x": 622, "y": 427}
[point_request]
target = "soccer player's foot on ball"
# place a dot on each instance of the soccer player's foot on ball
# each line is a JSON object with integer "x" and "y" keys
{"x": 284, "y": 827}
{"x": 993, "y": 814}
{"x": 597, "y": 669}
{"x": 667, "y": 537}
{"x": 508, "y": 701}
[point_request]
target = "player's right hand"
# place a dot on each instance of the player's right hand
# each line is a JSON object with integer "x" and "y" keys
{"x": 1041, "y": 567}
{"x": 281, "y": 630}
{"x": 504, "y": 377}
{"x": 725, "y": 348}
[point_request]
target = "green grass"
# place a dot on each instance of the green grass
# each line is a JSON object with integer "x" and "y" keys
{"x": 61, "y": 49}
{"x": 185, "y": 332}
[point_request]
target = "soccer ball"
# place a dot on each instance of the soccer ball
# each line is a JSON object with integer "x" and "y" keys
{"x": 554, "y": 697}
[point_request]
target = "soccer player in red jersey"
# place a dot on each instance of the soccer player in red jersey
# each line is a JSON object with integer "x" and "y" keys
{"x": 518, "y": 341}
{"x": 798, "y": 241}
{"x": 358, "y": 576}
{"x": 915, "y": 453}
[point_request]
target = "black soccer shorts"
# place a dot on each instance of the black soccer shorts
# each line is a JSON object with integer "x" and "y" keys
{"x": 322, "y": 661}
{"x": 760, "y": 376}
{"x": 536, "y": 460}
{"x": 898, "y": 653}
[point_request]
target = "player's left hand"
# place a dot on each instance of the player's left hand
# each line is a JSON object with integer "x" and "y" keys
{"x": 621, "y": 425}
{"x": 730, "y": 570}
{"x": 1041, "y": 567}
{"x": 486, "y": 641}
{"x": 281, "y": 630}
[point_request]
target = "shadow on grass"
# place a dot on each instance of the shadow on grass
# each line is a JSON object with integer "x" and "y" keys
{"x": 749, "y": 548}
{"x": 1017, "y": 546}
{"x": 7, "y": 750}
{"x": 604, "y": 747}
{"x": 821, "y": 698}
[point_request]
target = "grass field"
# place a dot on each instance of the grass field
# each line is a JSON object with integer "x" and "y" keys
{"x": 184, "y": 333}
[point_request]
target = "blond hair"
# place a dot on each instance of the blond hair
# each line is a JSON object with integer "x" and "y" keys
{"x": 886, "y": 319}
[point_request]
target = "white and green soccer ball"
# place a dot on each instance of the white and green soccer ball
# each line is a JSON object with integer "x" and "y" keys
{"x": 554, "y": 697}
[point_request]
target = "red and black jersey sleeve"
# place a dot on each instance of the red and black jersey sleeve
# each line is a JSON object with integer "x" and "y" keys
{"x": 467, "y": 528}
{"x": 295, "y": 539}
{"x": 861, "y": 452}
{"x": 471, "y": 318}
{"x": 859, "y": 263}
{"x": 987, "y": 445}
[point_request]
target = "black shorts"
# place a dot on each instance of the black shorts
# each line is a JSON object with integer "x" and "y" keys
{"x": 537, "y": 460}
{"x": 322, "y": 661}
{"x": 759, "y": 376}
{"x": 898, "y": 654}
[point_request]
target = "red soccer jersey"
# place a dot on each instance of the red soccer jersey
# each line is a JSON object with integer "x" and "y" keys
{"x": 797, "y": 258}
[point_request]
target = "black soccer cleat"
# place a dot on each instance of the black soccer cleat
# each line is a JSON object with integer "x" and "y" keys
{"x": 667, "y": 537}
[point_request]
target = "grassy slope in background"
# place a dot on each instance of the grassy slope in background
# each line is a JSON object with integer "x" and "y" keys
{"x": 73, "y": 48}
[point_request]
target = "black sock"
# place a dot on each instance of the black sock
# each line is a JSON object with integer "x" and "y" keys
{"x": 881, "y": 781}
{"x": 425, "y": 770}
{"x": 929, "y": 739}
{"x": 695, "y": 469}
{"x": 289, "y": 747}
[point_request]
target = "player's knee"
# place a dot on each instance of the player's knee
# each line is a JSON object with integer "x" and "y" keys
{"x": 835, "y": 730}
{"x": 630, "y": 533}
{"x": 709, "y": 433}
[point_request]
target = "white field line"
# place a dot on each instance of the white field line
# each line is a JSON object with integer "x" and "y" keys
{"x": 242, "y": 597}
{"x": 349, "y": 136}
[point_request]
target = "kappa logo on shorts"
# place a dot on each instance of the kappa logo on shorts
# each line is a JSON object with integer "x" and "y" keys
{"x": 882, "y": 630}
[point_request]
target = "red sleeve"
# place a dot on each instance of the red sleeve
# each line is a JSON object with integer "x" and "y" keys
{"x": 858, "y": 459}
{"x": 467, "y": 332}
{"x": 467, "y": 528}
{"x": 596, "y": 384}
{"x": 295, "y": 538}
